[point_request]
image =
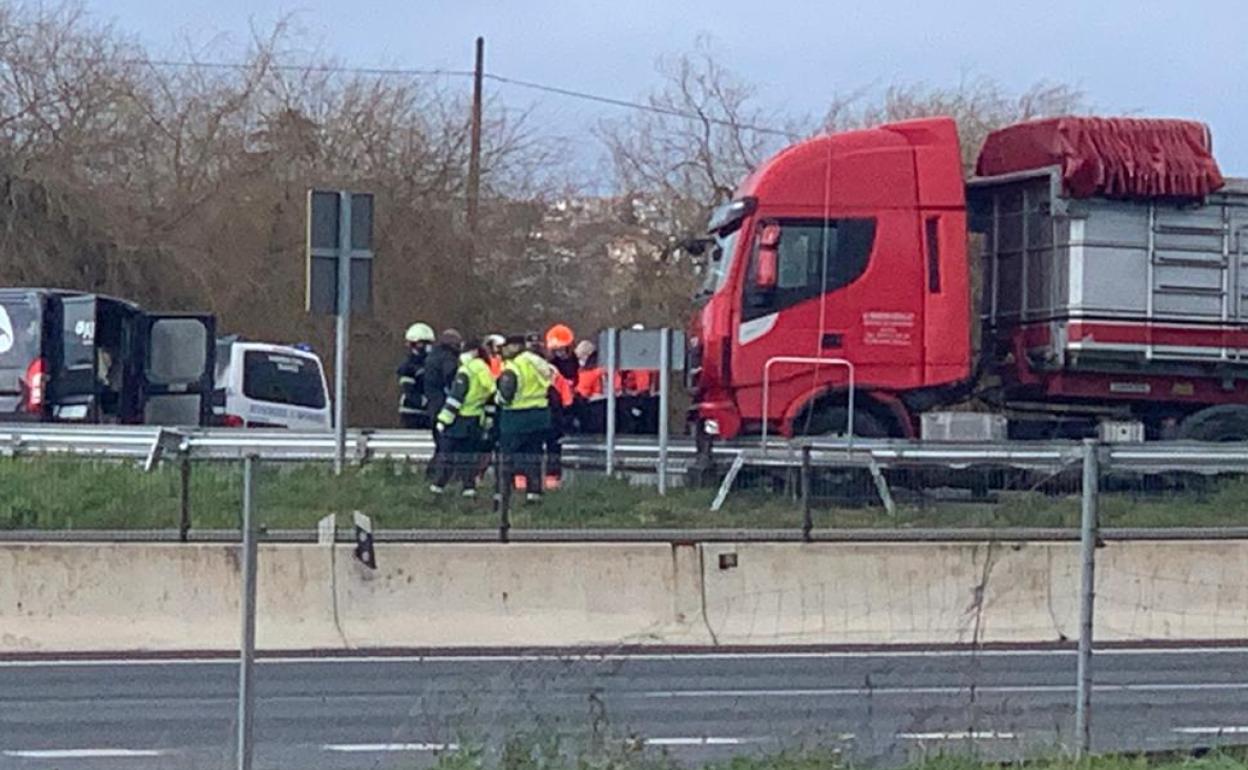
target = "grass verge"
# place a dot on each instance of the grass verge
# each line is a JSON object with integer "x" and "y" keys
{"x": 73, "y": 493}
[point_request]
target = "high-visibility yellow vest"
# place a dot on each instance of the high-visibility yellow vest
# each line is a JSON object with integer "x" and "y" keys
{"x": 480, "y": 387}
{"x": 533, "y": 376}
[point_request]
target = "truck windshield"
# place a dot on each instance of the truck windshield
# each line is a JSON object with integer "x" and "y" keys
{"x": 719, "y": 262}
{"x": 19, "y": 340}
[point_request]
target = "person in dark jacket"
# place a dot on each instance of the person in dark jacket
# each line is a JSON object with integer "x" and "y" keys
{"x": 440, "y": 367}
{"x": 413, "y": 407}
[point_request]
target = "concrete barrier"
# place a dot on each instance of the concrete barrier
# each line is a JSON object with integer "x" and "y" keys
{"x": 933, "y": 593}
{"x": 114, "y": 597}
{"x": 67, "y": 597}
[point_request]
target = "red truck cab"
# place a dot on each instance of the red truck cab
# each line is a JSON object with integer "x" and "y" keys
{"x": 847, "y": 251}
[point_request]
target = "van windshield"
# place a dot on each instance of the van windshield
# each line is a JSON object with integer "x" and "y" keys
{"x": 282, "y": 378}
{"x": 19, "y": 340}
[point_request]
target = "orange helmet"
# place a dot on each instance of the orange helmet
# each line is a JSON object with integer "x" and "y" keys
{"x": 559, "y": 336}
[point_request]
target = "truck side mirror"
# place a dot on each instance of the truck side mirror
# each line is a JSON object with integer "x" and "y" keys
{"x": 768, "y": 266}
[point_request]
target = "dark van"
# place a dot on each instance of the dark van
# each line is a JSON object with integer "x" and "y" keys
{"x": 74, "y": 357}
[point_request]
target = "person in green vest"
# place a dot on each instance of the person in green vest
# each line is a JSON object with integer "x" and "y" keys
{"x": 464, "y": 423}
{"x": 524, "y": 421}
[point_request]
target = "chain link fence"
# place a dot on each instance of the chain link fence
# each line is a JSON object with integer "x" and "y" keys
{"x": 789, "y": 492}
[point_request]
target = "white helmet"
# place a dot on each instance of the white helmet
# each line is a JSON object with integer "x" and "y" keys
{"x": 495, "y": 340}
{"x": 420, "y": 332}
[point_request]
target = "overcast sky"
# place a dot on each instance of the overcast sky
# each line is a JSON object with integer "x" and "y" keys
{"x": 1172, "y": 59}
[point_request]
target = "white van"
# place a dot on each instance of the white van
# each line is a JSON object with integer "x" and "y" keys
{"x": 259, "y": 385}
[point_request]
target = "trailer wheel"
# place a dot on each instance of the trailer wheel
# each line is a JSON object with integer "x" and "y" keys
{"x": 1218, "y": 423}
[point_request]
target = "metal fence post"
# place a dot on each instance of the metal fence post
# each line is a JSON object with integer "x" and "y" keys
{"x": 246, "y": 660}
{"x": 184, "y": 498}
{"x": 503, "y": 482}
{"x": 1087, "y": 593}
{"x": 808, "y": 523}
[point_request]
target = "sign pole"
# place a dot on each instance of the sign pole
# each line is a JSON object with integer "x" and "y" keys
{"x": 665, "y": 385}
{"x": 613, "y": 337}
{"x": 343, "y": 330}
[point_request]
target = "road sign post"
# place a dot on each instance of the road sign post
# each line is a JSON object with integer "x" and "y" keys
{"x": 612, "y": 354}
{"x": 342, "y": 332}
{"x": 665, "y": 384}
{"x": 339, "y": 281}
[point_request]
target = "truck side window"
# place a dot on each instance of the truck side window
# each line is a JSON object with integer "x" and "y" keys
{"x": 815, "y": 257}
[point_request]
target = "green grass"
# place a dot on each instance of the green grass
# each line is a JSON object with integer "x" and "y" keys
{"x": 73, "y": 493}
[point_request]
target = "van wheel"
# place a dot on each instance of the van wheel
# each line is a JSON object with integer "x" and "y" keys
{"x": 1218, "y": 423}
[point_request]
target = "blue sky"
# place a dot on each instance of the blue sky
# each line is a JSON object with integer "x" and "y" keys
{"x": 1150, "y": 58}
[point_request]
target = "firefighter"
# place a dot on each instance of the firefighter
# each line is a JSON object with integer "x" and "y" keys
{"x": 413, "y": 406}
{"x": 464, "y": 422}
{"x": 524, "y": 420}
{"x": 558, "y": 342}
{"x": 440, "y": 367}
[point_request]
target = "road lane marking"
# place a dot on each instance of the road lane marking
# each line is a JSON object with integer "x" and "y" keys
{"x": 363, "y": 748}
{"x": 617, "y": 657}
{"x": 703, "y": 741}
{"x": 82, "y": 753}
{"x": 934, "y": 690}
{"x": 973, "y": 735}
{"x": 1213, "y": 730}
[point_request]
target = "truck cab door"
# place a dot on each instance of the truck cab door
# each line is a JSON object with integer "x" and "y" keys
{"x": 178, "y": 365}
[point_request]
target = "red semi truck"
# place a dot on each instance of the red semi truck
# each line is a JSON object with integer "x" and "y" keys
{"x": 1111, "y": 285}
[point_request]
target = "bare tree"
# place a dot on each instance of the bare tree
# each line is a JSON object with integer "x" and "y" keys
{"x": 979, "y": 106}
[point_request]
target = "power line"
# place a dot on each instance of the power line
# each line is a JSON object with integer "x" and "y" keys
{"x": 501, "y": 79}
{"x": 635, "y": 105}
{"x": 326, "y": 68}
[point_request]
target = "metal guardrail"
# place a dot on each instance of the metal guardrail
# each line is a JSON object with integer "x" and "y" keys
{"x": 724, "y": 535}
{"x": 631, "y": 453}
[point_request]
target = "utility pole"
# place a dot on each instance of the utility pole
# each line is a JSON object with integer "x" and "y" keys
{"x": 474, "y": 156}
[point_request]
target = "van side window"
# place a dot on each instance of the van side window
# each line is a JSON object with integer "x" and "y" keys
{"x": 815, "y": 257}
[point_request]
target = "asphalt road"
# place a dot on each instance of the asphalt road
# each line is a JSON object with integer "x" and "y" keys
{"x": 400, "y": 712}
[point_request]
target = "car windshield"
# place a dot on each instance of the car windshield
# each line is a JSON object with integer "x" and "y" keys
{"x": 719, "y": 262}
{"x": 284, "y": 379}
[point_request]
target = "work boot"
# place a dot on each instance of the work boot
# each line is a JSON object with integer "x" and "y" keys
{"x": 437, "y": 490}
{"x": 470, "y": 493}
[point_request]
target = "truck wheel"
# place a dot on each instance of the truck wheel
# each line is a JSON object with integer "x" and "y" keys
{"x": 832, "y": 421}
{"x": 1218, "y": 423}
